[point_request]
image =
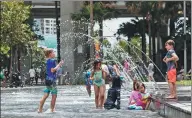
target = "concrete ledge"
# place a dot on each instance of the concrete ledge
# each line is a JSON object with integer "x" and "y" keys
{"x": 177, "y": 110}
{"x": 171, "y": 108}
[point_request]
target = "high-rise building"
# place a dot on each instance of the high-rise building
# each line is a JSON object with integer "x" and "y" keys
{"x": 46, "y": 26}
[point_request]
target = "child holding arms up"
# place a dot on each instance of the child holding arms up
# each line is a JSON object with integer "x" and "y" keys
{"x": 50, "y": 80}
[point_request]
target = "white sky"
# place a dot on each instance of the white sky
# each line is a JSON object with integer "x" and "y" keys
{"x": 110, "y": 27}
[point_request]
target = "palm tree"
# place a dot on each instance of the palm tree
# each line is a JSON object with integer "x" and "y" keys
{"x": 128, "y": 30}
{"x": 134, "y": 28}
{"x": 143, "y": 9}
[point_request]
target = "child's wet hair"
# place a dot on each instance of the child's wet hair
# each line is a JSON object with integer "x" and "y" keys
{"x": 143, "y": 85}
{"x": 48, "y": 52}
{"x": 170, "y": 42}
{"x": 136, "y": 85}
{"x": 95, "y": 63}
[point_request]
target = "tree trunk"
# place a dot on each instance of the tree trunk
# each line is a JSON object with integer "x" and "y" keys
{"x": 158, "y": 59}
{"x": 101, "y": 36}
{"x": 15, "y": 59}
{"x": 143, "y": 42}
{"x": 128, "y": 46}
{"x": 149, "y": 28}
{"x": 18, "y": 59}
{"x": 153, "y": 40}
{"x": 31, "y": 57}
{"x": 101, "y": 31}
{"x": 11, "y": 62}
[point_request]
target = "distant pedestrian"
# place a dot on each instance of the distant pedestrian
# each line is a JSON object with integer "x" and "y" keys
{"x": 150, "y": 70}
{"x": 88, "y": 82}
{"x": 42, "y": 75}
{"x": 31, "y": 75}
{"x": 2, "y": 77}
{"x": 126, "y": 65}
{"x": 67, "y": 78}
{"x": 37, "y": 75}
{"x": 59, "y": 74}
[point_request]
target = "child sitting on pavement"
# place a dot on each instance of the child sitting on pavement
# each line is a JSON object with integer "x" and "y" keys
{"x": 145, "y": 96}
{"x": 137, "y": 101}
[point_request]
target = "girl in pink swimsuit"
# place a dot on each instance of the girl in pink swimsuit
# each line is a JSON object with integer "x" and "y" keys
{"x": 135, "y": 100}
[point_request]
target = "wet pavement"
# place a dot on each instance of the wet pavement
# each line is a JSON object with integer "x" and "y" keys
{"x": 72, "y": 102}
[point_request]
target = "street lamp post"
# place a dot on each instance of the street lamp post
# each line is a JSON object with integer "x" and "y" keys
{"x": 58, "y": 31}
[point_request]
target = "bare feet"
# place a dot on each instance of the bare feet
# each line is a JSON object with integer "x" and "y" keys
{"x": 100, "y": 107}
{"x": 39, "y": 110}
{"x": 171, "y": 97}
{"x": 53, "y": 110}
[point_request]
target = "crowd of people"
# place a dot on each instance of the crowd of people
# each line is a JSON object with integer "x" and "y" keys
{"x": 34, "y": 74}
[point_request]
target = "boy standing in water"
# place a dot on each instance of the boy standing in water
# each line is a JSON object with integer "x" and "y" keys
{"x": 170, "y": 59}
{"x": 50, "y": 80}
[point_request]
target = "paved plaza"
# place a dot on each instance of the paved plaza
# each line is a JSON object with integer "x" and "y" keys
{"x": 72, "y": 102}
